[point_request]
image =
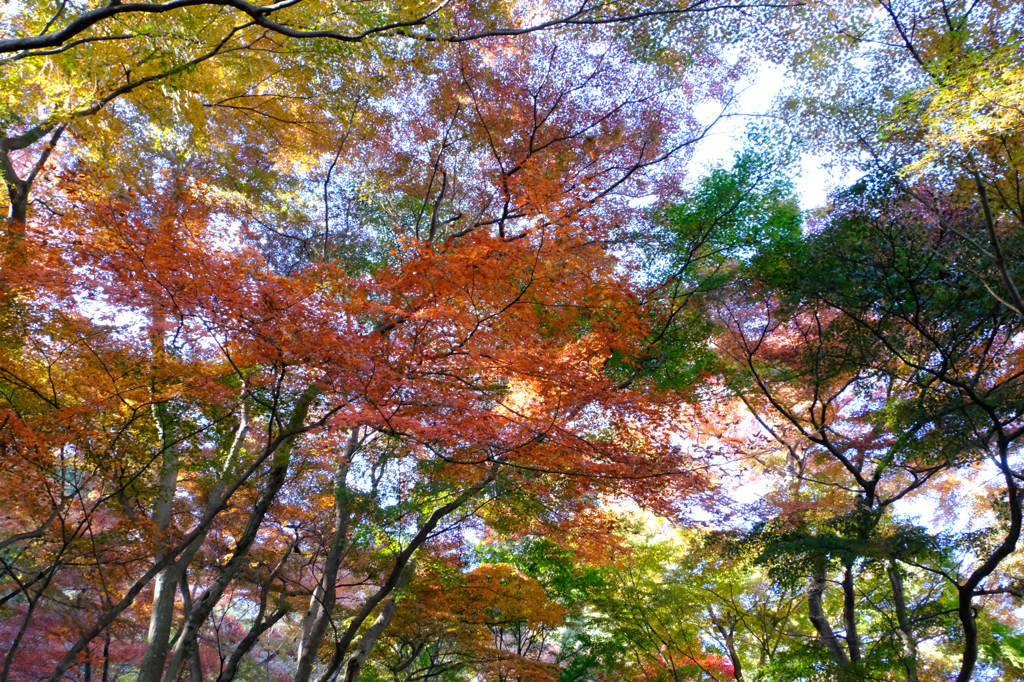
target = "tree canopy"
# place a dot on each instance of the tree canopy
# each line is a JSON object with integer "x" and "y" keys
{"x": 349, "y": 340}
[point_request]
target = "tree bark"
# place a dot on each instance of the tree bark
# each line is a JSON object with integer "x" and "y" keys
{"x": 260, "y": 623}
{"x": 321, "y": 606}
{"x": 248, "y": 642}
{"x": 17, "y": 198}
{"x": 820, "y": 621}
{"x": 106, "y": 657}
{"x": 728, "y": 635}
{"x": 398, "y": 574}
{"x": 850, "y": 614}
{"x": 905, "y": 629}
{"x": 208, "y": 600}
{"x": 358, "y": 658}
{"x": 195, "y": 663}
{"x": 162, "y": 614}
{"x": 18, "y": 188}
{"x": 966, "y": 592}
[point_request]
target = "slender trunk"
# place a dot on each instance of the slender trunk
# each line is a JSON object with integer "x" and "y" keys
{"x": 965, "y": 611}
{"x": 358, "y": 657}
{"x": 397, "y": 576}
{"x": 321, "y": 606}
{"x": 820, "y": 622}
{"x": 966, "y": 592}
{"x": 728, "y": 636}
{"x": 905, "y": 629}
{"x": 260, "y": 623}
{"x": 248, "y": 642}
{"x": 158, "y": 643}
{"x": 850, "y": 614}
{"x": 195, "y": 664}
{"x": 162, "y": 614}
{"x": 160, "y": 621}
{"x": 106, "y": 657}
{"x": 192, "y": 539}
{"x": 208, "y": 600}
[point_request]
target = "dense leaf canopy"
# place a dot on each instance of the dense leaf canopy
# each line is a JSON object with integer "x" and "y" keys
{"x": 403, "y": 342}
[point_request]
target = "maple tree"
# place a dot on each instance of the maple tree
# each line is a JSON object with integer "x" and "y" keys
{"x": 264, "y": 391}
{"x": 336, "y": 335}
{"x": 206, "y": 73}
{"x": 856, "y": 341}
{"x": 493, "y": 620}
{"x": 843, "y": 344}
{"x": 875, "y": 369}
{"x": 933, "y": 103}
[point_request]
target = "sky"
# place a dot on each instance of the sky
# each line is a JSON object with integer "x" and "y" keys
{"x": 755, "y": 98}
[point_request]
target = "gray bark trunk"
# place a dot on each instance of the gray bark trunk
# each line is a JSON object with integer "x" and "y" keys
{"x": 729, "y": 636}
{"x": 211, "y": 595}
{"x": 358, "y": 658}
{"x": 903, "y": 621}
{"x": 195, "y": 663}
{"x": 397, "y": 577}
{"x": 166, "y": 583}
{"x": 162, "y": 617}
{"x": 820, "y": 621}
{"x": 321, "y": 606}
{"x": 208, "y": 600}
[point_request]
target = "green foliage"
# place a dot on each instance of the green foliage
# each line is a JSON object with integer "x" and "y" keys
{"x": 698, "y": 244}
{"x": 1002, "y": 645}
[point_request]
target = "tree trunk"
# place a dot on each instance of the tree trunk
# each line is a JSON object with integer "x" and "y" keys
{"x": 17, "y": 197}
{"x": 162, "y": 614}
{"x": 314, "y": 625}
{"x": 160, "y": 621}
{"x": 358, "y": 658}
{"x": 966, "y": 592}
{"x": 208, "y": 600}
{"x": 195, "y": 664}
{"x": 399, "y": 575}
{"x": 850, "y": 614}
{"x": 18, "y": 188}
{"x": 248, "y": 642}
{"x": 106, "y": 657}
{"x": 817, "y": 614}
{"x": 903, "y": 621}
{"x": 728, "y": 636}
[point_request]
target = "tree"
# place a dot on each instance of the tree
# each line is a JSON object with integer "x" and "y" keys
{"x": 930, "y": 103}
{"x": 250, "y": 392}
{"x": 99, "y": 71}
{"x": 492, "y": 621}
{"x": 931, "y": 108}
{"x": 881, "y": 375}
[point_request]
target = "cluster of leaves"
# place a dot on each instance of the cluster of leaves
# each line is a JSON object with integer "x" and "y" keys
{"x": 334, "y": 338}
{"x": 294, "y": 294}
